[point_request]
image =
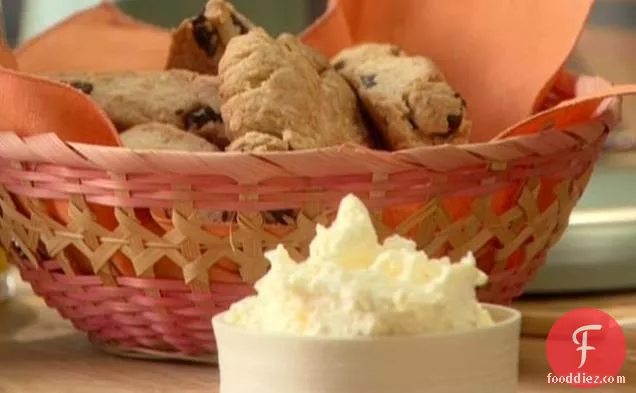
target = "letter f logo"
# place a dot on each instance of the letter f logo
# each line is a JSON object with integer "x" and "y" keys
{"x": 583, "y": 343}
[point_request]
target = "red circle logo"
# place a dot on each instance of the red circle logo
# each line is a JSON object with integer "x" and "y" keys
{"x": 585, "y": 348}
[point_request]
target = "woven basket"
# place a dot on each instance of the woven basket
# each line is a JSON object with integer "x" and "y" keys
{"x": 114, "y": 240}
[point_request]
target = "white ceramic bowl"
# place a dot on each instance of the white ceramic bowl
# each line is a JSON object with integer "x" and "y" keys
{"x": 483, "y": 360}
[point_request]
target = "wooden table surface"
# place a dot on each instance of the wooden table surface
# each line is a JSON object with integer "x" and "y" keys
{"x": 40, "y": 352}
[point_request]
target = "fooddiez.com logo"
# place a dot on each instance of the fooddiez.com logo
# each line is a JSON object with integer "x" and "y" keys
{"x": 586, "y": 348}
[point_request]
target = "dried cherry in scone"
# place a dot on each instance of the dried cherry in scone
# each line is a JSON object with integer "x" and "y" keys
{"x": 454, "y": 122}
{"x": 204, "y": 35}
{"x": 368, "y": 81}
{"x": 201, "y": 116}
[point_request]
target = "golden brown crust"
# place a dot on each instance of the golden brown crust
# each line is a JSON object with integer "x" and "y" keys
{"x": 257, "y": 142}
{"x": 279, "y": 88}
{"x": 158, "y": 136}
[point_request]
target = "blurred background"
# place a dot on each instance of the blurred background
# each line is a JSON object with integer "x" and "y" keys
{"x": 597, "y": 253}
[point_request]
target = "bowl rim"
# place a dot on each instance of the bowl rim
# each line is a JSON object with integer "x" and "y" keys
{"x": 511, "y": 317}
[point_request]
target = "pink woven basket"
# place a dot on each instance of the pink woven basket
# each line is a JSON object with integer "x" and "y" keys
{"x": 148, "y": 283}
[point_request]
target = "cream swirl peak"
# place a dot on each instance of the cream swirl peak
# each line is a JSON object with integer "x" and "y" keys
{"x": 351, "y": 285}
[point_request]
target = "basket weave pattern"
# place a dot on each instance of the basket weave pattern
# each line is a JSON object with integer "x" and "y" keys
{"x": 508, "y": 201}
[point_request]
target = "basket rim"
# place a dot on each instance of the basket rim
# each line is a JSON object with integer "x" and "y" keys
{"x": 250, "y": 168}
{"x": 576, "y": 130}
{"x": 30, "y": 149}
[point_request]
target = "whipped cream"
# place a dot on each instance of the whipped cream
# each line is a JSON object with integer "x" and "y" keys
{"x": 351, "y": 285}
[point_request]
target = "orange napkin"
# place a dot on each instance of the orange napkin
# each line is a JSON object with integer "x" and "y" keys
{"x": 501, "y": 55}
{"x": 7, "y": 59}
{"x": 32, "y": 105}
{"x": 97, "y": 39}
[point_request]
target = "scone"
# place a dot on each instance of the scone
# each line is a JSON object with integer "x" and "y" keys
{"x": 407, "y": 97}
{"x": 280, "y": 95}
{"x": 183, "y": 99}
{"x": 159, "y": 136}
{"x": 198, "y": 43}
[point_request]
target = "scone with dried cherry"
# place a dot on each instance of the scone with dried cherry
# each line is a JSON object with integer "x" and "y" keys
{"x": 183, "y": 99}
{"x": 408, "y": 97}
